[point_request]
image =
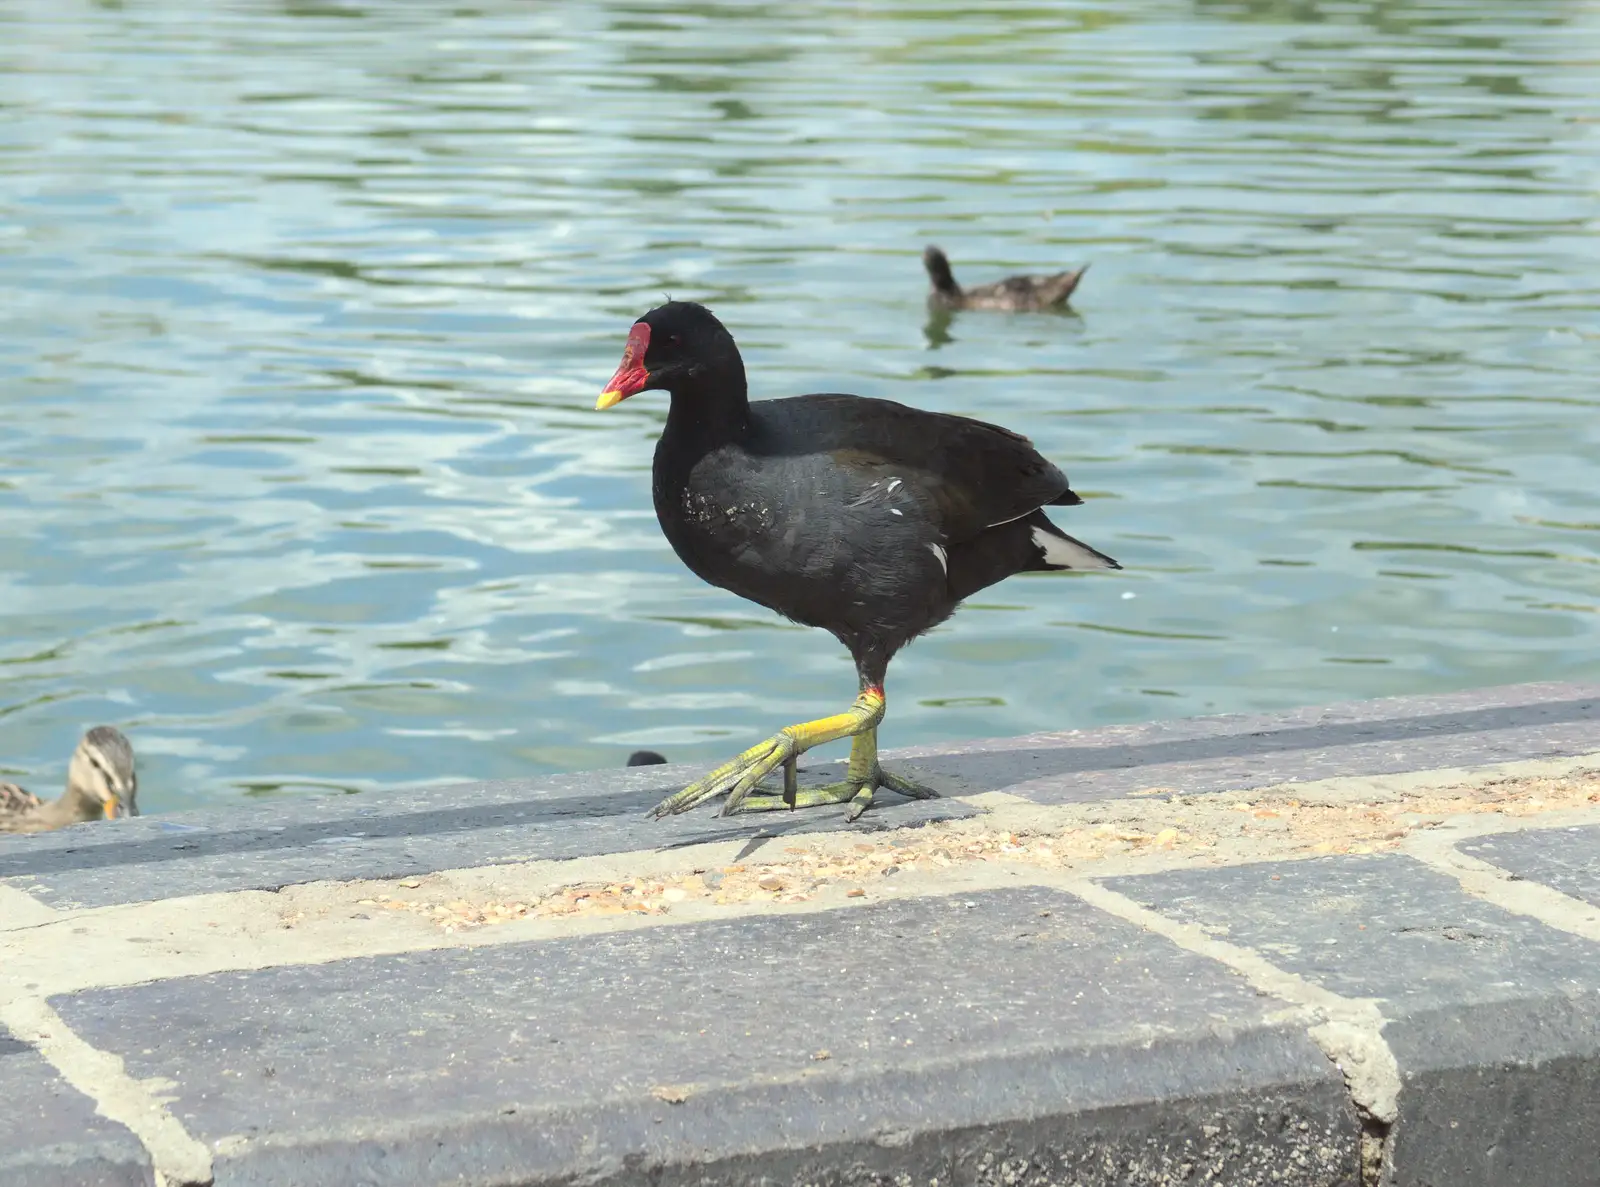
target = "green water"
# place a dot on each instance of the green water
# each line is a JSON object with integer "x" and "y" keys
{"x": 303, "y": 309}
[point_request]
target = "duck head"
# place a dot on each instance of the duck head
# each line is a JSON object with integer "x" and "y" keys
{"x": 101, "y": 777}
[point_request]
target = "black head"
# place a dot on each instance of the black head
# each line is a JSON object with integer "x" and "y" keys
{"x": 673, "y": 347}
{"x": 938, "y": 266}
{"x": 645, "y": 758}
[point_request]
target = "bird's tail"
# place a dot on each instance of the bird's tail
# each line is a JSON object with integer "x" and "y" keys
{"x": 939, "y": 273}
{"x": 1027, "y": 545}
{"x": 1060, "y": 551}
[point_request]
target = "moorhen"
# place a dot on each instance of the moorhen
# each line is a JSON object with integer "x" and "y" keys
{"x": 646, "y": 758}
{"x": 1014, "y": 294}
{"x": 101, "y": 783}
{"x": 864, "y": 517}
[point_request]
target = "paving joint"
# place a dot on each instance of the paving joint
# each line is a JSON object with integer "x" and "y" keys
{"x": 1500, "y": 886}
{"x": 179, "y": 1158}
{"x": 1348, "y": 1030}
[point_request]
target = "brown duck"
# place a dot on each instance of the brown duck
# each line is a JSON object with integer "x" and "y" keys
{"x": 1014, "y": 294}
{"x": 101, "y": 784}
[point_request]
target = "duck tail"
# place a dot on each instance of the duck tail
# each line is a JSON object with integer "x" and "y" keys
{"x": 939, "y": 274}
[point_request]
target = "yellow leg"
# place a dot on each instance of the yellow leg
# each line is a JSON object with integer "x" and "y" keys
{"x": 739, "y": 776}
{"x": 861, "y": 779}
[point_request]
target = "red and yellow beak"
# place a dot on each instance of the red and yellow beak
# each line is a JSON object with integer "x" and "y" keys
{"x": 631, "y": 377}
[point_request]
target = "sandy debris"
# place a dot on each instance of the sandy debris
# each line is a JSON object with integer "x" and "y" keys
{"x": 1344, "y": 828}
{"x": 1270, "y": 823}
{"x": 615, "y": 898}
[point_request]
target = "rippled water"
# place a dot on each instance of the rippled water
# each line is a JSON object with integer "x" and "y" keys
{"x": 305, "y": 307}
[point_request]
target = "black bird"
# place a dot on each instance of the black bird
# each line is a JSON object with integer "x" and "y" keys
{"x": 864, "y": 517}
{"x": 645, "y": 758}
{"x": 1014, "y": 294}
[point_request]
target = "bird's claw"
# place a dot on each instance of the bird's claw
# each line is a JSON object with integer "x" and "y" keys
{"x": 856, "y": 792}
{"x": 737, "y": 778}
{"x": 740, "y": 778}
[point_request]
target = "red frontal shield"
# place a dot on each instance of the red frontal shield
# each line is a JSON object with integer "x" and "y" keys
{"x": 631, "y": 377}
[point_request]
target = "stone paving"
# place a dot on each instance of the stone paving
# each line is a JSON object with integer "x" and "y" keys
{"x": 1351, "y": 945}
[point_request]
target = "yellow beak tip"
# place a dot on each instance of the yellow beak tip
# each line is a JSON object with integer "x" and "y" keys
{"x": 608, "y": 399}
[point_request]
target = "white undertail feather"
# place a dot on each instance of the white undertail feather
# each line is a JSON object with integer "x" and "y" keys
{"x": 1068, "y": 554}
{"x": 944, "y": 560}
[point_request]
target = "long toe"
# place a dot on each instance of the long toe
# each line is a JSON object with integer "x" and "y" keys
{"x": 901, "y": 785}
{"x": 860, "y": 802}
{"x": 782, "y": 751}
{"x": 697, "y": 792}
{"x": 750, "y": 766}
{"x": 857, "y": 793}
{"x": 691, "y": 796}
{"x": 806, "y": 797}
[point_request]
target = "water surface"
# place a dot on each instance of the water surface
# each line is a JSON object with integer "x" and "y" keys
{"x": 304, "y": 306}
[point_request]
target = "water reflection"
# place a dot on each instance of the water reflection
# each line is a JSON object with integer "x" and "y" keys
{"x": 936, "y": 330}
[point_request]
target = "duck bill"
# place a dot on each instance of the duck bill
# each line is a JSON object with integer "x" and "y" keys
{"x": 631, "y": 377}
{"x": 112, "y": 807}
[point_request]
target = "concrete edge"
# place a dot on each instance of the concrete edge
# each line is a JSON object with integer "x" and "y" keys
{"x": 1348, "y": 1031}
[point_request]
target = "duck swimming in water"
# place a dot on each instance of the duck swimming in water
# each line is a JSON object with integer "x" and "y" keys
{"x": 1014, "y": 294}
{"x": 101, "y": 785}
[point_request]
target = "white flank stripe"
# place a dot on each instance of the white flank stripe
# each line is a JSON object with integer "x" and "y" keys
{"x": 1068, "y": 554}
{"x": 943, "y": 558}
{"x": 1002, "y": 522}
